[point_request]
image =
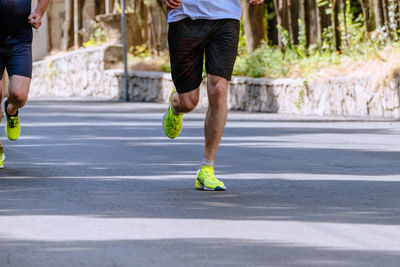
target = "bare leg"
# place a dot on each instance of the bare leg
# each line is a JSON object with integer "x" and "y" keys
{"x": 2, "y": 84}
{"x": 17, "y": 93}
{"x": 217, "y": 88}
{"x": 186, "y": 102}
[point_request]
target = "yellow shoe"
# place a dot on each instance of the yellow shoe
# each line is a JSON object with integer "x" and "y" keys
{"x": 2, "y": 157}
{"x": 13, "y": 125}
{"x": 172, "y": 123}
{"x": 206, "y": 180}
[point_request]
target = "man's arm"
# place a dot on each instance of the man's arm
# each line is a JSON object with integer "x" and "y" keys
{"x": 172, "y": 4}
{"x": 35, "y": 18}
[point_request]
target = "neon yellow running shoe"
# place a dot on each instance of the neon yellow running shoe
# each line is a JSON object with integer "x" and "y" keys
{"x": 2, "y": 157}
{"x": 206, "y": 180}
{"x": 13, "y": 125}
{"x": 172, "y": 123}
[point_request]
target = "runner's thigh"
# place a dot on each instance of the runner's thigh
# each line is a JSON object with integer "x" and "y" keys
{"x": 221, "y": 50}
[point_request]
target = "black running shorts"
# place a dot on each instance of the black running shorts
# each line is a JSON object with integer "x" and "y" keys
{"x": 17, "y": 59}
{"x": 189, "y": 40}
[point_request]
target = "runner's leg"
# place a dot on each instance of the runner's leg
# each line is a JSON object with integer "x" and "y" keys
{"x": 2, "y": 87}
{"x": 17, "y": 93}
{"x": 221, "y": 54}
{"x": 19, "y": 68}
{"x": 217, "y": 89}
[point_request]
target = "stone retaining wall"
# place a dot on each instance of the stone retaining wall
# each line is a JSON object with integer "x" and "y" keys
{"x": 84, "y": 73}
{"x": 80, "y": 73}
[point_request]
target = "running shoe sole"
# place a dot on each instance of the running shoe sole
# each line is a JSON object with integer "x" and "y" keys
{"x": 202, "y": 187}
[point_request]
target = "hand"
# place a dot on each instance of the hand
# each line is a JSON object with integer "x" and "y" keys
{"x": 172, "y": 4}
{"x": 35, "y": 19}
{"x": 256, "y": 2}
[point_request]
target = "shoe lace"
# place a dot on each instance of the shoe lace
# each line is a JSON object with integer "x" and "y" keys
{"x": 13, "y": 122}
{"x": 210, "y": 176}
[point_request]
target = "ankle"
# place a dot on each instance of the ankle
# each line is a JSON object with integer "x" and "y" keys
{"x": 208, "y": 163}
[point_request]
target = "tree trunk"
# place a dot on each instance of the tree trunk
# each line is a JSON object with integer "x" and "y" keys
{"x": 153, "y": 38}
{"x": 398, "y": 12}
{"x": 292, "y": 22}
{"x": 278, "y": 20}
{"x": 320, "y": 28}
{"x": 100, "y": 7}
{"x": 253, "y": 22}
{"x": 162, "y": 6}
{"x": 379, "y": 19}
{"x": 346, "y": 34}
{"x": 323, "y": 20}
{"x": 365, "y": 11}
{"x": 77, "y": 23}
{"x": 335, "y": 24}
{"x": 272, "y": 31}
{"x": 49, "y": 37}
{"x": 280, "y": 11}
{"x": 305, "y": 16}
{"x": 386, "y": 18}
{"x": 67, "y": 40}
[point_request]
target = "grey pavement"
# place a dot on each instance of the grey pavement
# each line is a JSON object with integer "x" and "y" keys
{"x": 98, "y": 184}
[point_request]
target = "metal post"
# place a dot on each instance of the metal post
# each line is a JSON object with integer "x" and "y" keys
{"x": 76, "y": 27}
{"x": 124, "y": 56}
{"x": 107, "y": 6}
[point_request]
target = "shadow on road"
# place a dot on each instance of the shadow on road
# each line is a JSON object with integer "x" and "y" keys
{"x": 231, "y": 252}
{"x": 97, "y": 163}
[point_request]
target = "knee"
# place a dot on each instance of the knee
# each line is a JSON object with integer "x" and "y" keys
{"x": 18, "y": 98}
{"x": 218, "y": 94}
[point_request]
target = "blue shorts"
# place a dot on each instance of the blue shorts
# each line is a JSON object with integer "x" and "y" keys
{"x": 17, "y": 59}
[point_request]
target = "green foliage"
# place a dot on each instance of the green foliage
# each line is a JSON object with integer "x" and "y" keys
{"x": 303, "y": 60}
{"x": 285, "y": 37}
{"x": 165, "y": 67}
{"x": 98, "y": 36}
{"x": 307, "y": 62}
{"x": 140, "y": 58}
{"x": 128, "y": 9}
{"x": 353, "y": 35}
{"x": 242, "y": 41}
{"x": 322, "y": 3}
{"x": 302, "y": 49}
{"x": 265, "y": 61}
{"x": 139, "y": 51}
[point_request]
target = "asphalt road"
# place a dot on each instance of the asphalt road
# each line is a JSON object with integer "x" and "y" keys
{"x": 98, "y": 184}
